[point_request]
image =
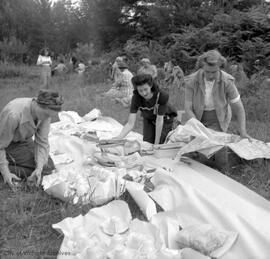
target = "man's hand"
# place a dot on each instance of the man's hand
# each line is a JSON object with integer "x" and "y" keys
{"x": 8, "y": 177}
{"x": 35, "y": 177}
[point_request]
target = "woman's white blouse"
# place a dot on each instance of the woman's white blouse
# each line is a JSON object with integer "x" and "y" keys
{"x": 44, "y": 60}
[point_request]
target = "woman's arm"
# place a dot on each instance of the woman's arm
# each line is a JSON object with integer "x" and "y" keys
{"x": 188, "y": 109}
{"x": 239, "y": 111}
{"x": 159, "y": 126}
{"x": 189, "y": 102}
{"x": 39, "y": 60}
{"x": 129, "y": 126}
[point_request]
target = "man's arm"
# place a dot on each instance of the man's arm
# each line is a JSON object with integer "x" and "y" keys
{"x": 7, "y": 129}
{"x": 42, "y": 144}
{"x": 41, "y": 150}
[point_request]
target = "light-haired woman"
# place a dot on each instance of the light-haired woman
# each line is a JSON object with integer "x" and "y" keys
{"x": 212, "y": 97}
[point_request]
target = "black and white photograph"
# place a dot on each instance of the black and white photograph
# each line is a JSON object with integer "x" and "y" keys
{"x": 135, "y": 129}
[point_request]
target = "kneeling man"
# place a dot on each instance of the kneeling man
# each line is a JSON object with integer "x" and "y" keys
{"x": 20, "y": 120}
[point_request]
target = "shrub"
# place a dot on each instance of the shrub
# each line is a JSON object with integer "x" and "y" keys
{"x": 256, "y": 99}
{"x": 12, "y": 50}
{"x": 84, "y": 52}
{"x": 98, "y": 73}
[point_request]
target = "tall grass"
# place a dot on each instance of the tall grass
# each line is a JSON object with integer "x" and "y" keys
{"x": 9, "y": 70}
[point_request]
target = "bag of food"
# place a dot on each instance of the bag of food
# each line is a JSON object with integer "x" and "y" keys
{"x": 207, "y": 239}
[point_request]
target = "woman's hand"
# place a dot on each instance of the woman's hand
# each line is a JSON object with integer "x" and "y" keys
{"x": 245, "y": 135}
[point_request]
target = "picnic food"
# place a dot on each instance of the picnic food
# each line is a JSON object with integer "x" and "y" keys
{"x": 206, "y": 239}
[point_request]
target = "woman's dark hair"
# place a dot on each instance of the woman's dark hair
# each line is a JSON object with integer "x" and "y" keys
{"x": 142, "y": 79}
{"x": 42, "y": 52}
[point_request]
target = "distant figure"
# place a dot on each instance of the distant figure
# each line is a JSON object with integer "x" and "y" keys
{"x": 241, "y": 79}
{"x": 26, "y": 59}
{"x": 122, "y": 89}
{"x": 125, "y": 85}
{"x": 73, "y": 61}
{"x": 147, "y": 68}
{"x": 61, "y": 68}
{"x": 45, "y": 61}
{"x": 174, "y": 84}
{"x": 115, "y": 71}
{"x": 80, "y": 69}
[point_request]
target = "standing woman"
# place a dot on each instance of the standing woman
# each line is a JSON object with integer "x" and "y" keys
{"x": 45, "y": 61}
{"x": 212, "y": 97}
{"x": 158, "y": 115}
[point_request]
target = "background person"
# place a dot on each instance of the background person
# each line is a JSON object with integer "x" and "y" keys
{"x": 115, "y": 71}
{"x": 80, "y": 69}
{"x": 147, "y": 68}
{"x": 45, "y": 61}
{"x": 125, "y": 85}
{"x": 21, "y": 119}
{"x": 174, "y": 84}
{"x": 121, "y": 90}
{"x": 158, "y": 115}
{"x": 61, "y": 68}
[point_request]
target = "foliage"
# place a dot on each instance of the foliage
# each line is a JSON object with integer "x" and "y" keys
{"x": 256, "y": 97}
{"x": 12, "y": 49}
{"x": 84, "y": 52}
{"x": 160, "y": 30}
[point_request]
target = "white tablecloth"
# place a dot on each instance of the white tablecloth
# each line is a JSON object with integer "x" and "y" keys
{"x": 198, "y": 194}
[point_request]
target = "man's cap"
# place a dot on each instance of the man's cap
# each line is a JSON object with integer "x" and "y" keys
{"x": 50, "y": 99}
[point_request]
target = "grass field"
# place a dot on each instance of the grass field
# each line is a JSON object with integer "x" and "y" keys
{"x": 26, "y": 215}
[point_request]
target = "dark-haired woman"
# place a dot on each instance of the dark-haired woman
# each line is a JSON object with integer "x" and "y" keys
{"x": 45, "y": 61}
{"x": 158, "y": 115}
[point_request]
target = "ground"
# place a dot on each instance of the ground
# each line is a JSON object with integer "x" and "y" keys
{"x": 26, "y": 215}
